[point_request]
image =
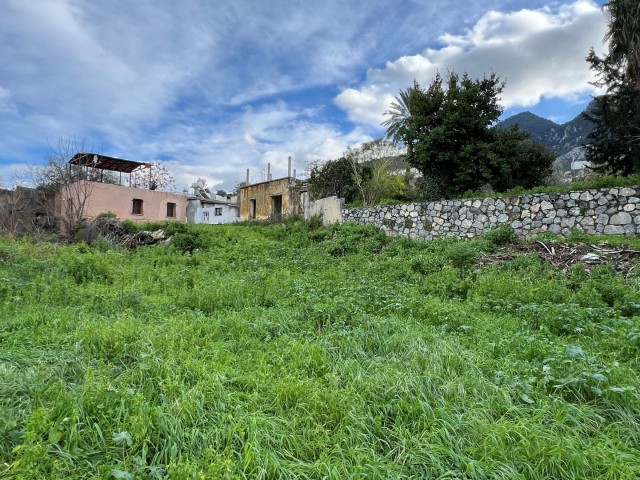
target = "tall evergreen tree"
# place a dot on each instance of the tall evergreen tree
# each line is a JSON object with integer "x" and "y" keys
{"x": 450, "y": 139}
{"x": 615, "y": 142}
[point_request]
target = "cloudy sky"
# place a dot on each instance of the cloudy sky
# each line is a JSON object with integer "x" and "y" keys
{"x": 213, "y": 87}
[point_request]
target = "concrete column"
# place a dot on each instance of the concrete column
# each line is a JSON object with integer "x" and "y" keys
{"x": 247, "y": 180}
{"x": 289, "y": 170}
{"x": 268, "y": 171}
{"x": 294, "y": 173}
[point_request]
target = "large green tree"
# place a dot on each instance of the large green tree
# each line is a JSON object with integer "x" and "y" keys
{"x": 449, "y": 136}
{"x": 336, "y": 177}
{"x": 615, "y": 142}
{"x": 368, "y": 173}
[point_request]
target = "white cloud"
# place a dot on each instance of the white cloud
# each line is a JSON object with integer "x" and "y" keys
{"x": 6, "y": 105}
{"x": 222, "y": 153}
{"x": 248, "y": 139}
{"x": 540, "y": 53}
{"x": 216, "y": 87}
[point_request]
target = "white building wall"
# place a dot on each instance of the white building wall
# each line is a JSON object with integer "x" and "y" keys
{"x": 208, "y": 215}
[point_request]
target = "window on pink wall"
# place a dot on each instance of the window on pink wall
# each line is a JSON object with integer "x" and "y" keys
{"x": 171, "y": 210}
{"x": 136, "y": 207}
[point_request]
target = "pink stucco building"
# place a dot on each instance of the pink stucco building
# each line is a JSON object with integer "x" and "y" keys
{"x": 127, "y": 203}
{"x": 88, "y": 196}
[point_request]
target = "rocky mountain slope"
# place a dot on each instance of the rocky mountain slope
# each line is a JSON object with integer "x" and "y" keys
{"x": 560, "y": 138}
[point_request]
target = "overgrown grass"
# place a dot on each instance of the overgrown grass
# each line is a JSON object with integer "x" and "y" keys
{"x": 284, "y": 351}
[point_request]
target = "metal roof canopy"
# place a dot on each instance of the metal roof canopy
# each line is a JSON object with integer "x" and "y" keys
{"x": 102, "y": 162}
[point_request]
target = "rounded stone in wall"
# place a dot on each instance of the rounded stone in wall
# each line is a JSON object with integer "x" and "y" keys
{"x": 613, "y": 230}
{"x": 621, "y": 218}
{"x": 586, "y": 196}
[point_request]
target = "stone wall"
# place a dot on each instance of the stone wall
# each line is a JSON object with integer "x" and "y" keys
{"x": 605, "y": 211}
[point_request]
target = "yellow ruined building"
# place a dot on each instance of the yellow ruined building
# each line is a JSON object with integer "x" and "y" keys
{"x": 271, "y": 200}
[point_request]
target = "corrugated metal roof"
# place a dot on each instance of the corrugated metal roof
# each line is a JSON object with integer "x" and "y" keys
{"x": 103, "y": 162}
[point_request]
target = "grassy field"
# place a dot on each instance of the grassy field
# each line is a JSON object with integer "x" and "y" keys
{"x": 283, "y": 351}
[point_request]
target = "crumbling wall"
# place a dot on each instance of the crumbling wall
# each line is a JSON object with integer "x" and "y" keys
{"x": 330, "y": 208}
{"x": 262, "y": 194}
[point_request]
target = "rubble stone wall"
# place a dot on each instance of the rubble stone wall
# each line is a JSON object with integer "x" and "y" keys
{"x": 606, "y": 211}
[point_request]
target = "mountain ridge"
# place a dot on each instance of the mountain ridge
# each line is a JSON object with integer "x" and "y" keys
{"x": 561, "y": 138}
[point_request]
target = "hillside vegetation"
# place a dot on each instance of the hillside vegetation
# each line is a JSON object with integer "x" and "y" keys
{"x": 287, "y": 351}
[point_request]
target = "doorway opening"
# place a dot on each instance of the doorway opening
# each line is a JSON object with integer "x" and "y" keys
{"x": 276, "y": 207}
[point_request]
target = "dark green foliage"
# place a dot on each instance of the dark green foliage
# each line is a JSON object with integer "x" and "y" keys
{"x": 462, "y": 255}
{"x": 107, "y": 214}
{"x": 351, "y": 238}
{"x": 446, "y": 283}
{"x": 615, "y": 142}
{"x": 130, "y": 226}
{"x": 315, "y": 222}
{"x": 500, "y": 236}
{"x": 186, "y": 242}
{"x": 449, "y": 138}
{"x": 526, "y": 164}
{"x": 336, "y": 177}
{"x": 88, "y": 268}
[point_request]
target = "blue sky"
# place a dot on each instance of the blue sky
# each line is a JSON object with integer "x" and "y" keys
{"x": 212, "y": 88}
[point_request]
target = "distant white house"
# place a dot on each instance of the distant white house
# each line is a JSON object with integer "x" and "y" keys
{"x": 205, "y": 207}
{"x": 579, "y": 164}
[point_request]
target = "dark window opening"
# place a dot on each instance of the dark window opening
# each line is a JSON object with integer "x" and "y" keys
{"x": 218, "y": 212}
{"x": 171, "y": 210}
{"x": 252, "y": 208}
{"x": 276, "y": 207}
{"x": 136, "y": 208}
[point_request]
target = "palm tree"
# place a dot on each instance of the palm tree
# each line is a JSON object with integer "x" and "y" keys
{"x": 401, "y": 114}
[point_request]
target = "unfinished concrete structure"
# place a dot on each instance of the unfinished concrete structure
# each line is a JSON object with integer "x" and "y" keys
{"x": 272, "y": 199}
